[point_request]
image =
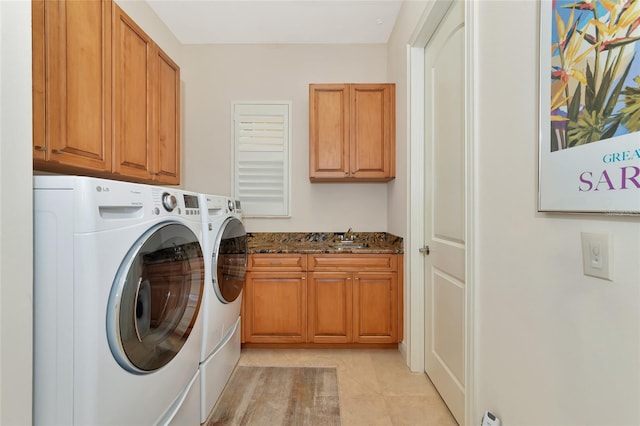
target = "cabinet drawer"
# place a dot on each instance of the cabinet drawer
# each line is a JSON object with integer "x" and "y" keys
{"x": 353, "y": 262}
{"x": 293, "y": 262}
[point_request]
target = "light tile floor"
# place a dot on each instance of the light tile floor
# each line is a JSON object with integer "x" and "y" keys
{"x": 376, "y": 387}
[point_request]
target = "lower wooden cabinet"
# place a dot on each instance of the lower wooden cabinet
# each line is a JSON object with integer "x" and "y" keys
{"x": 275, "y": 308}
{"x": 375, "y": 307}
{"x": 330, "y": 307}
{"x": 323, "y": 299}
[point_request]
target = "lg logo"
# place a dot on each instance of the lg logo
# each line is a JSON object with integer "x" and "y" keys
{"x": 102, "y": 188}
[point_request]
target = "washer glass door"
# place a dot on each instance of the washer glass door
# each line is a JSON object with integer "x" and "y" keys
{"x": 155, "y": 298}
{"x": 231, "y": 262}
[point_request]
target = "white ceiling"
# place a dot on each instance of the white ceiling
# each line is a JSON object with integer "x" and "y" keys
{"x": 276, "y": 22}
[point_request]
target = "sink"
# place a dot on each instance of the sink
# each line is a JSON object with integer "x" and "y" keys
{"x": 347, "y": 246}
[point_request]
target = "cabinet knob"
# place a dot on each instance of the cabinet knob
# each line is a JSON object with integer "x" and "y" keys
{"x": 57, "y": 151}
{"x": 40, "y": 148}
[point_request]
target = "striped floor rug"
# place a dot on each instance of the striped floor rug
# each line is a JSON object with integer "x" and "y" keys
{"x": 279, "y": 396}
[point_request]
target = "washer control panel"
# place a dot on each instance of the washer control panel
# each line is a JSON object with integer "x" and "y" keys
{"x": 191, "y": 204}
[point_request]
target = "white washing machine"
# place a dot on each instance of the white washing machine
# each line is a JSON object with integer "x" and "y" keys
{"x": 225, "y": 245}
{"x": 118, "y": 289}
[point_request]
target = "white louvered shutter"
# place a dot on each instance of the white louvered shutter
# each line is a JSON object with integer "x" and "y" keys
{"x": 261, "y": 158}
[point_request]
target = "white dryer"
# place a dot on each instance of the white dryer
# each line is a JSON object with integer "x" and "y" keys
{"x": 225, "y": 245}
{"x": 119, "y": 283}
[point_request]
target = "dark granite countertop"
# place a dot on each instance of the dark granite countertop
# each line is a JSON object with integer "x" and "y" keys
{"x": 323, "y": 242}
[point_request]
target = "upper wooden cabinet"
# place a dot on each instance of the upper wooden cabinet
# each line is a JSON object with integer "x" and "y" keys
{"x": 146, "y": 93}
{"x": 72, "y": 85}
{"x": 106, "y": 97}
{"x": 167, "y": 149}
{"x": 132, "y": 98}
{"x": 351, "y": 132}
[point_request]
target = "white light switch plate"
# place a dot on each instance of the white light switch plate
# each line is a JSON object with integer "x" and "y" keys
{"x": 597, "y": 255}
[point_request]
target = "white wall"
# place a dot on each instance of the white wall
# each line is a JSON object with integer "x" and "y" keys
{"x": 408, "y": 17}
{"x": 216, "y": 75}
{"x": 16, "y": 258}
{"x": 555, "y": 347}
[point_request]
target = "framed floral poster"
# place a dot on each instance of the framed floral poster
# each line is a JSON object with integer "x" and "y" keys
{"x": 589, "y": 158}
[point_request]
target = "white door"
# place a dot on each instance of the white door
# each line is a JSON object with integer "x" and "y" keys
{"x": 445, "y": 219}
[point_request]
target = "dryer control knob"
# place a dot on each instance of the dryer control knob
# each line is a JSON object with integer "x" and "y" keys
{"x": 169, "y": 201}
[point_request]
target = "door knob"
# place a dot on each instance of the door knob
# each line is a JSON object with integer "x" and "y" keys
{"x": 424, "y": 250}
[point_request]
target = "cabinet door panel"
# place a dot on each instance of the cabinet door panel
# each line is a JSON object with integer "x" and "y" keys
{"x": 329, "y": 131}
{"x": 73, "y": 52}
{"x": 83, "y": 94}
{"x": 330, "y": 307}
{"x": 133, "y": 121}
{"x": 375, "y": 301}
{"x": 167, "y": 166}
{"x": 371, "y": 152}
{"x": 275, "y": 308}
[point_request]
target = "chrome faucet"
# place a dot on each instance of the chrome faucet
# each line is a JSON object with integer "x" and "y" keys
{"x": 348, "y": 236}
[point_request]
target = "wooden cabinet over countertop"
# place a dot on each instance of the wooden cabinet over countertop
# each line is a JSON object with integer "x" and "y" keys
{"x": 352, "y": 132}
{"x": 106, "y": 98}
{"x": 334, "y": 300}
